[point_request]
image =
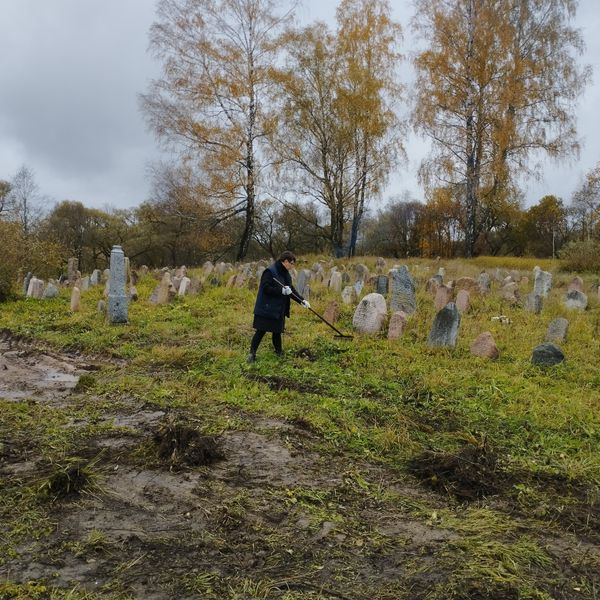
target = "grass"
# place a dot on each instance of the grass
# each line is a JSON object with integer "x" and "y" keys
{"x": 383, "y": 401}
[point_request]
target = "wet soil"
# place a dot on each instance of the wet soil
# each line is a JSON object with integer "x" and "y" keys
{"x": 158, "y": 510}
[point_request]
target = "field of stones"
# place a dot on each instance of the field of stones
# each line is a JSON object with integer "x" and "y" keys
{"x": 449, "y": 449}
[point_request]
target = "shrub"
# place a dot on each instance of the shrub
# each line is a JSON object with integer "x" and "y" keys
{"x": 581, "y": 256}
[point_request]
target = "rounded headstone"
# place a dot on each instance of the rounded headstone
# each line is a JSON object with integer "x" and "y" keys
{"x": 547, "y": 355}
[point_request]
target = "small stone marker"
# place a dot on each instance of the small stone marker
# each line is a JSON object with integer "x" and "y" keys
{"x": 302, "y": 282}
{"x": 117, "y": 297}
{"x": 534, "y": 303}
{"x": 444, "y": 330}
{"x": 510, "y": 292}
{"x": 463, "y": 301}
{"x": 96, "y": 277}
{"x": 576, "y": 284}
{"x": 184, "y": 286}
{"x": 133, "y": 293}
{"x": 576, "y": 300}
{"x": 51, "y": 291}
{"x": 557, "y": 330}
{"x": 484, "y": 346}
{"x": 402, "y": 291}
{"x": 348, "y": 295}
{"x": 466, "y": 283}
{"x": 331, "y": 312}
{"x": 370, "y": 314}
{"x": 101, "y": 306}
{"x": 84, "y": 284}
{"x": 75, "y": 299}
{"x": 443, "y": 295}
{"x": 358, "y": 288}
{"x": 397, "y": 325}
{"x": 547, "y": 355}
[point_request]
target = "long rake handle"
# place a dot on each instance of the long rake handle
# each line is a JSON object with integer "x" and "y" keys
{"x": 316, "y": 313}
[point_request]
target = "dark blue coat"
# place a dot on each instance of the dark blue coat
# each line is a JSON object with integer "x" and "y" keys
{"x": 271, "y": 305}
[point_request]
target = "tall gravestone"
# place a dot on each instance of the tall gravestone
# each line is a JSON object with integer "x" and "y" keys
{"x": 444, "y": 330}
{"x": 402, "y": 291}
{"x": 302, "y": 282}
{"x": 382, "y": 284}
{"x": 542, "y": 282}
{"x": 117, "y": 296}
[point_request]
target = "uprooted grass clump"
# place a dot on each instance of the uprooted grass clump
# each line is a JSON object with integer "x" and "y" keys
{"x": 67, "y": 482}
{"x": 178, "y": 444}
{"x": 470, "y": 473}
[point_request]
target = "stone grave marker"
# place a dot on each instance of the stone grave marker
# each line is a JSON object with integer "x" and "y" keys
{"x": 484, "y": 346}
{"x": 576, "y": 300}
{"x": 463, "y": 301}
{"x": 534, "y": 303}
{"x": 485, "y": 283}
{"x": 117, "y": 308}
{"x": 542, "y": 282}
{"x": 444, "y": 330}
{"x": 381, "y": 284}
{"x": 443, "y": 296}
{"x": 397, "y": 325}
{"x": 547, "y": 355}
{"x": 51, "y": 290}
{"x": 557, "y": 330}
{"x": 75, "y": 299}
{"x": 370, "y": 314}
{"x": 331, "y": 312}
{"x": 402, "y": 291}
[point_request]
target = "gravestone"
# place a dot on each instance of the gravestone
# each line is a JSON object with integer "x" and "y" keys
{"x": 484, "y": 346}
{"x": 397, "y": 325}
{"x": 51, "y": 291}
{"x": 96, "y": 277}
{"x": 547, "y": 355}
{"x": 466, "y": 283}
{"x": 402, "y": 291}
{"x": 485, "y": 283}
{"x": 362, "y": 272}
{"x": 335, "y": 282}
{"x": 534, "y": 303}
{"x": 26, "y": 282}
{"x": 117, "y": 297}
{"x": 444, "y": 330}
{"x": 380, "y": 264}
{"x": 542, "y": 282}
{"x": 441, "y": 273}
{"x": 302, "y": 282}
{"x": 576, "y": 284}
{"x": 557, "y": 330}
{"x": 101, "y": 306}
{"x": 331, "y": 312}
{"x": 370, "y": 314}
{"x": 576, "y": 300}
{"x": 184, "y": 286}
{"x": 381, "y": 284}
{"x": 510, "y": 292}
{"x": 106, "y": 275}
{"x": 133, "y": 293}
{"x": 195, "y": 286}
{"x": 208, "y": 267}
{"x": 73, "y": 266}
{"x": 75, "y": 299}
{"x": 84, "y": 284}
{"x": 35, "y": 288}
{"x": 348, "y": 296}
{"x": 443, "y": 295}
{"x": 358, "y": 288}
{"x": 463, "y": 301}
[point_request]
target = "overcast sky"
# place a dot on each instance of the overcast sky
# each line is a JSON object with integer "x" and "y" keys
{"x": 70, "y": 72}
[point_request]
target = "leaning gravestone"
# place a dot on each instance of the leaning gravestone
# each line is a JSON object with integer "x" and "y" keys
{"x": 542, "y": 282}
{"x": 547, "y": 355}
{"x": 576, "y": 300}
{"x": 370, "y": 314}
{"x": 444, "y": 330}
{"x": 402, "y": 291}
{"x": 117, "y": 296}
{"x": 557, "y": 330}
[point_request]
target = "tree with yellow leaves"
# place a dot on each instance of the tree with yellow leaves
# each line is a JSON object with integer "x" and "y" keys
{"x": 496, "y": 88}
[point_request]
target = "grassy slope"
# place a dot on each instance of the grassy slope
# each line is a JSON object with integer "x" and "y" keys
{"x": 384, "y": 401}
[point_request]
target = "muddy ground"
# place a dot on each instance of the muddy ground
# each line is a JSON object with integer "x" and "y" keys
{"x": 152, "y": 509}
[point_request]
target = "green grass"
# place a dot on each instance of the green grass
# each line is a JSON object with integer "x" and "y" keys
{"x": 370, "y": 399}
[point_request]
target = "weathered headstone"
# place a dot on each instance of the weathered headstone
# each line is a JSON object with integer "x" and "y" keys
{"x": 51, "y": 291}
{"x": 73, "y": 266}
{"x": 484, "y": 346}
{"x": 380, "y": 264}
{"x": 463, "y": 301}
{"x": 510, "y": 292}
{"x": 101, "y": 306}
{"x": 402, "y": 291}
{"x": 96, "y": 277}
{"x": 331, "y": 312}
{"x": 534, "y": 303}
{"x": 26, "y": 282}
{"x": 133, "y": 293}
{"x": 84, "y": 284}
{"x": 576, "y": 300}
{"x": 302, "y": 281}
{"x": 348, "y": 295}
{"x": 35, "y": 288}
{"x": 117, "y": 298}
{"x": 184, "y": 286}
{"x": 195, "y": 286}
{"x": 444, "y": 330}
{"x": 576, "y": 284}
{"x": 466, "y": 283}
{"x": 208, "y": 267}
{"x": 335, "y": 282}
{"x": 557, "y": 330}
{"x": 485, "y": 283}
{"x": 547, "y": 355}
{"x": 370, "y": 314}
{"x": 542, "y": 282}
{"x": 443, "y": 295}
{"x": 381, "y": 284}
{"x": 397, "y": 325}
{"x": 358, "y": 288}
{"x": 75, "y": 299}
{"x": 441, "y": 273}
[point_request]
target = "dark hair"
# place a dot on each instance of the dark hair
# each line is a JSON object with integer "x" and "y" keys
{"x": 287, "y": 255}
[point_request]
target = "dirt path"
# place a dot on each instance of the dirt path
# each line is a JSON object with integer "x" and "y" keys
{"x": 268, "y": 516}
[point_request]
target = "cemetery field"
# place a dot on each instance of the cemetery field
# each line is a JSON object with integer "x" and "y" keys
{"x": 149, "y": 460}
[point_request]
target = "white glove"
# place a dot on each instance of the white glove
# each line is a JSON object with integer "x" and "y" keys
{"x": 306, "y": 303}
{"x": 286, "y": 290}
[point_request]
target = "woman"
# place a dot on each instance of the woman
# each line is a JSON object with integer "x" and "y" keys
{"x": 273, "y": 303}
